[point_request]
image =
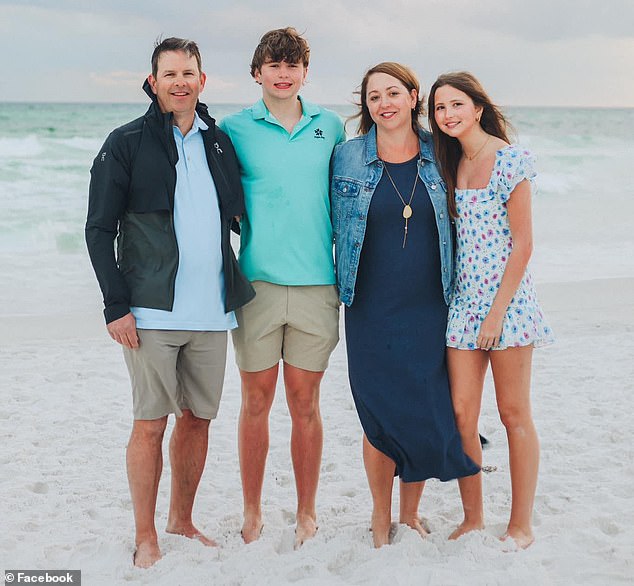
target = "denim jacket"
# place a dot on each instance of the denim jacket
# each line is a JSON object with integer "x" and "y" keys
{"x": 356, "y": 171}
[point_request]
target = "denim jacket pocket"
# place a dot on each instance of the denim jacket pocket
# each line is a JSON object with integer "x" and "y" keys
{"x": 345, "y": 187}
{"x": 345, "y": 197}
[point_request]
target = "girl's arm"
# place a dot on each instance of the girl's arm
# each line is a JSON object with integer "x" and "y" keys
{"x": 518, "y": 208}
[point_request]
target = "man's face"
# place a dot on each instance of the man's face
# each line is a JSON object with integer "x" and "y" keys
{"x": 178, "y": 82}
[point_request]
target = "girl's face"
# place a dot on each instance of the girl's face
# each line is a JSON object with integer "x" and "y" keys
{"x": 454, "y": 112}
{"x": 389, "y": 102}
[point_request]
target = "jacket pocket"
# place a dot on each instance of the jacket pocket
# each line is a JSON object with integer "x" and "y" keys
{"x": 344, "y": 187}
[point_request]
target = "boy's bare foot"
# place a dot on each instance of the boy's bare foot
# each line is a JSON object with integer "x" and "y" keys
{"x": 191, "y": 532}
{"x": 251, "y": 528}
{"x": 466, "y": 527}
{"x": 306, "y": 529}
{"x": 146, "y": 554}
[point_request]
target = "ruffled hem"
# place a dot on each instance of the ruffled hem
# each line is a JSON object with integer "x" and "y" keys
{"x": 524, "y": 329}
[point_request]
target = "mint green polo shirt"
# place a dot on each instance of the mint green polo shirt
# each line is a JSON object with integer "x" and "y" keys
{"x": 286, "y": 233}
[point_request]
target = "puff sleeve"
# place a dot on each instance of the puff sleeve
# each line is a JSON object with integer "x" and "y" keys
{"x": 512, "y": 168}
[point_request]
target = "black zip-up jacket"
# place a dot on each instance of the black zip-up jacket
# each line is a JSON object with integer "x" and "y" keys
{"x": 131, "y": 198}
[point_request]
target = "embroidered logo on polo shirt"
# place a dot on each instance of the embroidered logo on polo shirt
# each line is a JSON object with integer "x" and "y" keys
{"x": 319, "y": 133}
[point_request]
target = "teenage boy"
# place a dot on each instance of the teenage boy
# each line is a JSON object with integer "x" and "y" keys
{"x": 284, "y": 144}
{"x": 167, "y": 186}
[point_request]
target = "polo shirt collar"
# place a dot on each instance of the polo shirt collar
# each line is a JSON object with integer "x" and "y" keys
{"x": 259, "y": 110}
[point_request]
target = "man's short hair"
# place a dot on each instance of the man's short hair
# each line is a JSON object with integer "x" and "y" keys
{"x": 190, "y": 48}
{"x": 282, "y": 44}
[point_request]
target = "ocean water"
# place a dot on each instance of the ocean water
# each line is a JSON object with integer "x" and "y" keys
{"x": 581, "y": 212}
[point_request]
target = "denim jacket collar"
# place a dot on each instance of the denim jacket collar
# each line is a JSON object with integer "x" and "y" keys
{"x": 371, "y": 151}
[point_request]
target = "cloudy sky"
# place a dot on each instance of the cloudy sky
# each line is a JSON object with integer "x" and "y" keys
{"x": 537, "y": 52}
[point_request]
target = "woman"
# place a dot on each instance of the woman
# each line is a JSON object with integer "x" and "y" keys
{"x": 494, "y": 315}
{"x": 394, "y": 264}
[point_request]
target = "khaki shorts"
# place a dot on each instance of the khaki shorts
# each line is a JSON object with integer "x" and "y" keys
{"x": 175, "y": 370}
{"x": 297, "y": 324}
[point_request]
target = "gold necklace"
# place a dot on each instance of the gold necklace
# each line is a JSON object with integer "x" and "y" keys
{"x": 479, "y": 150}
{"x": 407, "y": 207}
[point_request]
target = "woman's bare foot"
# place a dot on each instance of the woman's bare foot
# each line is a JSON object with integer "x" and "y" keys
{"x": 416, "y": 524}
{"x": 466, "y": 527}
{"x": 251, "y": 528}
{"x": 381, "y": 528}
{"x": 146, "y": 554}
{"x": 522, "y": 538}
{"x": 191, "y": 532}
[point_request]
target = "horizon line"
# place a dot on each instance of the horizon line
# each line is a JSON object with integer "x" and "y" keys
{"x": 232, "y": 103}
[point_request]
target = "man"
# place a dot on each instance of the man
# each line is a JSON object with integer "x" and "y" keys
{"x": 284, "y": 145}
{"x": 167, "y": 186}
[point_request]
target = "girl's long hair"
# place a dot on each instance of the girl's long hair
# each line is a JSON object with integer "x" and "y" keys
{"x": 448, "y": 149}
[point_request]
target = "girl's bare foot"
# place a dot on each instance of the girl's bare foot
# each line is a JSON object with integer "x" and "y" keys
{"x": 522, "y": 538}
{"x": 147, "y": 553}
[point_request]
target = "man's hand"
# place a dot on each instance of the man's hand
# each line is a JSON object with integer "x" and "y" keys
{"x": 123, "y": 330}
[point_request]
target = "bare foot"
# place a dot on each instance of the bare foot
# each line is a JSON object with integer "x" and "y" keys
{"x": 306, "y": 529}
{"x": 191, "y": 532}
{"x": 466, "y": 527}
{"x": 417, "y": 525}
{"x": 522, "y": 539}
{"x": 381, "y": 531}
{"x": 251, "y": 528}
{"x": 146, "y": 554}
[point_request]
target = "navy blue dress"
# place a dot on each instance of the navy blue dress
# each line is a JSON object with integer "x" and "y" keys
{"x": 395, "y": 337}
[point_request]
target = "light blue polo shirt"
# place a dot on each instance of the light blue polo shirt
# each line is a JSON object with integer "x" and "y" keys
{"x": 199, "y": 288}
{"x": 286, "y": 234}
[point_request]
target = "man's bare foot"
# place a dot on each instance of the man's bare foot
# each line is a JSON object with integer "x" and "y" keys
{"x": 306, "y": 529}
{"x": 416, "y": 524}
{"x": 522, "y": 539}
{"x": 466, "y": 527}
{"x": 251, "y": 528}
{"x": 191, "y": 532}
{"x": 146, "y": 554}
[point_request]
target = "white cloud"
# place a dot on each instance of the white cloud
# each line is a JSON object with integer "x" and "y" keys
{"x": 525, "y": 53}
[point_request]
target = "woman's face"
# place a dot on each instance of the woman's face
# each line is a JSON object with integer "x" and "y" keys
{"x": 454, "y": 111}
{"x": 389, "y": 102}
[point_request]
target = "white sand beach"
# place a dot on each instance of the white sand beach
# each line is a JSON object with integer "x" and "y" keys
{"x": 66, "y": 419}
{"x": 65, "y": 414}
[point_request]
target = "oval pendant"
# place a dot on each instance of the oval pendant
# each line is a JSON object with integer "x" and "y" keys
{"x": 407, "y": 212}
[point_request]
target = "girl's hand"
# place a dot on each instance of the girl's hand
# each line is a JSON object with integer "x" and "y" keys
{"x": 490, "y": 332}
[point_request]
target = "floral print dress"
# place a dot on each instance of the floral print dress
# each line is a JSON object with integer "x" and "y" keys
{"x": 484, "y": 244}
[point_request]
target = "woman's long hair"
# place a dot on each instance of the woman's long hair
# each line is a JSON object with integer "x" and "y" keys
{"x": 406, "y": 76}
{"x": 448, "y": 149}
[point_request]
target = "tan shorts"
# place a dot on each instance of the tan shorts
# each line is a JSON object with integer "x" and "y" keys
{"x": 298, "y": 324}
{"x": 175, "y": 370}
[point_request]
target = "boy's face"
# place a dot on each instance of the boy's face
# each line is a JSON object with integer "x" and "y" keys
{"x": 281, "y": 80}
